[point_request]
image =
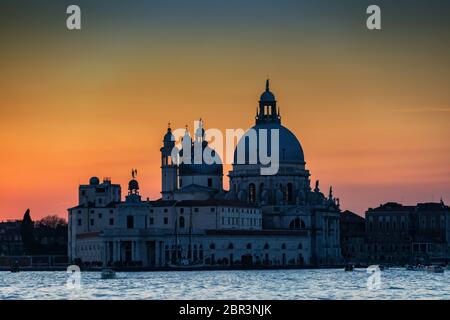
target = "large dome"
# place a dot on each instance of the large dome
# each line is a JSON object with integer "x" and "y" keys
{"x": 290, "y": 150}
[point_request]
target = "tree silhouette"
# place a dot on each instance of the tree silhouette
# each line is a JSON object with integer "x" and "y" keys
{"x": 27, "y": 233}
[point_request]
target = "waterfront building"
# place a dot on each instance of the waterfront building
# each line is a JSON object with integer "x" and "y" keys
{"x": 267, "y": 220}
{"x": 397, "y": 234}
{"x": 10, "y": 238}
{"x": 401, "y": 234}
{"x": 353, "y": 237}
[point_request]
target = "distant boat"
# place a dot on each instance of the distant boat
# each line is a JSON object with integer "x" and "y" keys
{"x": 108, "y": 274}
{"x": 15, "y": 267}
{"x": 186, "y": 264}
{"x": 349, "y": 267}
{"x": 416, "y": 268}
{"x": 435, "y": 269}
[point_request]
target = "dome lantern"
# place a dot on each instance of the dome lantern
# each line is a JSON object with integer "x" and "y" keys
{"x": 267, "y": 112}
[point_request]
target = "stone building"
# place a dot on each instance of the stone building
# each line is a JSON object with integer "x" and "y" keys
{"x": 353, "y": 237}
{"x": 401, "y": 234}
{"x": 270, "y": 220}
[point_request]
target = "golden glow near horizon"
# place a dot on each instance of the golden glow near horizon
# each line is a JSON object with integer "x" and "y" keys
{"x": 371, "y": 114}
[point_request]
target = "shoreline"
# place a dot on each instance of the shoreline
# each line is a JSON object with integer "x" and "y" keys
{"x": 159, "y": 269}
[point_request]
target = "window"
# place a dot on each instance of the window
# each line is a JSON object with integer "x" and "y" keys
{"x": 195, "y": 209}
{"x": 100, "y": 201}
{"x": 79, "y": 222}
{"x": 165, "y": 210}
{"x": 79, "y": 211}
{"x": 92, "y": 222}
{"x": 182, "y": 210}
{"x": 130, "y": 222}
{"x": 111, "y": 221}
{"x": 212, "y": 246}
{"x": 200, "y": 252}
{"x": 111, "y": 211}
{"x": 83, "y": 192}
{"x": 297, "y": 223}
{"x": 249, "y": 245}
{"x": 99, "y": 215}
{"x": 166, "y": 220}
{"x": 289, "y": 192}
{"x": 252, "y": 192}
{"x": 151, "y": 220}
{"x": 213, "y": 209}
{"x": 181, "y": 183}
{"x": 181, "y": 222}
{"x": 210, "y": 182}
{"x": 151, "y": 210}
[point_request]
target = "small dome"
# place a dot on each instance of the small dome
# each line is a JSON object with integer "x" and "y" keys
{"x": 168, "y": 137}
{"x": 206, "y": 167}
{"x": 133, "y": 185}
{"x": 267, "y": 96}
{"x": 94, "y": 181}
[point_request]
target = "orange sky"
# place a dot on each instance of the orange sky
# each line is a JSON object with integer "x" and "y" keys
{"x": 370, "y": 110}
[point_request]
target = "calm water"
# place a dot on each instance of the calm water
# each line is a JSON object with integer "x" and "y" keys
{"x": 273, "y": 284}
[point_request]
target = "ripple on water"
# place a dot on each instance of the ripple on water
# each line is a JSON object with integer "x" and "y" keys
{"x": 259, "y": 284}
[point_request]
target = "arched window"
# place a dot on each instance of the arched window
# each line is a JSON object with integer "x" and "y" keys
{"x": 289, "y": 192}
{"x": 266, "y": 246}
{"x": 297, "y": 223}
{"x": 252, "y": 192}
{"x": 181, "y": 222}
{"x": 283, "y": 246}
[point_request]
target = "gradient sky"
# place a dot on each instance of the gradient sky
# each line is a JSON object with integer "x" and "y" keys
{"x": 370, "y": 108}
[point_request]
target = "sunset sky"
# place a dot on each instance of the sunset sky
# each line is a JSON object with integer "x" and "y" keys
{"x": 370, "y": 108}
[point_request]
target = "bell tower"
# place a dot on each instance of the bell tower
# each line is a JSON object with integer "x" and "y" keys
{"x": 169, "y": 169}
{"x": 267, "y": 112}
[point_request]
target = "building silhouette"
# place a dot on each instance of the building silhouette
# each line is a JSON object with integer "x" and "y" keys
{"x": 266, "y": 220}
{"x": 398, "y": 234}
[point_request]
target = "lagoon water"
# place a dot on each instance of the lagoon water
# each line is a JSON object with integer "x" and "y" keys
{"x": 249, "y": 284}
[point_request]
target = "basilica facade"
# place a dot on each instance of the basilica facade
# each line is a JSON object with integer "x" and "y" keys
{"x": 263, "y": 220}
